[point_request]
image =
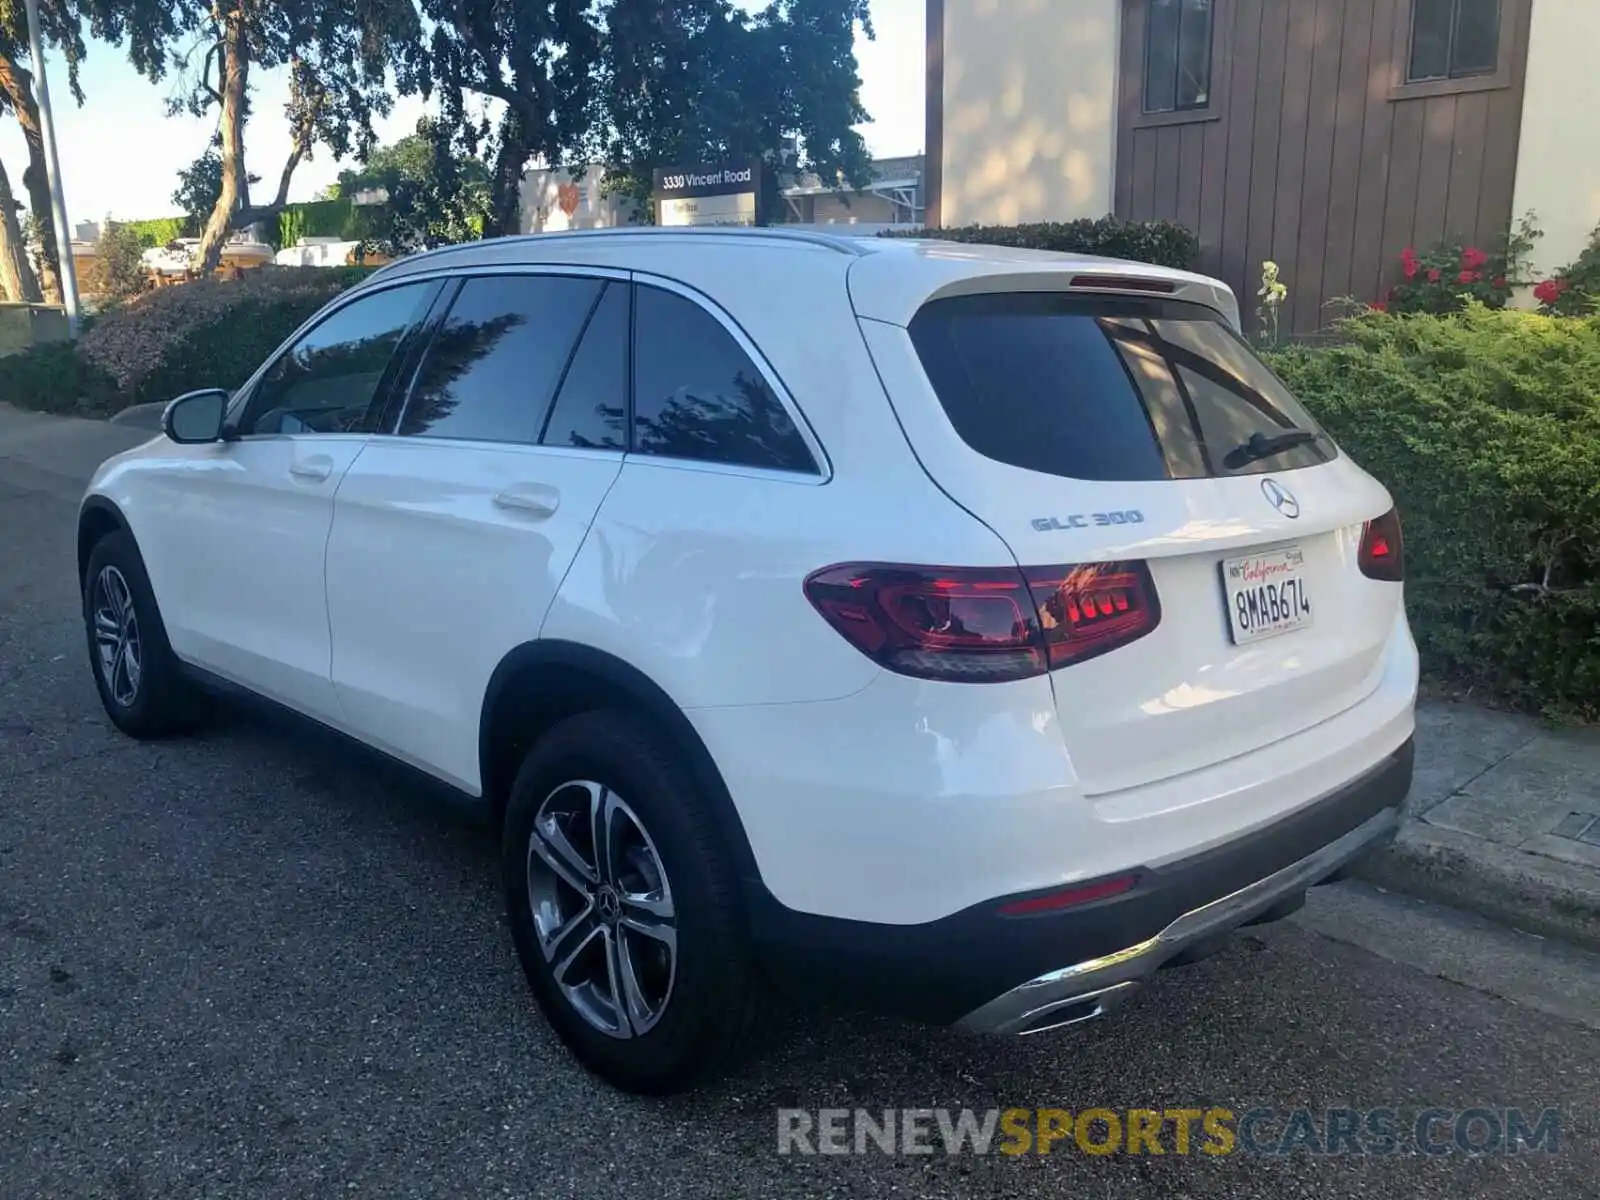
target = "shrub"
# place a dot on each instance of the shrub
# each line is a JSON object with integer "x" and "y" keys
{"x": 1448, "y": 277}
{"x": 159, "y": 231}
{"x": 122, "y": 270}
{"x": 55, "y": 377}
{"x": 1159, "y": 242}
{"x": 209, "y": 332}
{"x": 1574, "y": 289}
{"x": 1486, "y": 428}
{"x": 225, "y": 353}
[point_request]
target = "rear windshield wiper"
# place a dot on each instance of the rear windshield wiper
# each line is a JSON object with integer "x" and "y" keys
{"x": 1261, "y": 446}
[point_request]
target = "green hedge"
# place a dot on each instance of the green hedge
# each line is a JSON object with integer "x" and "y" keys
{"x": 54, "y": 377}
{"x": 1485, "y": 426}
{"x": 315, "y": 218}
{"x": 1160, "y": 242}
{"x": 208, "y": 333}
{"x": 225, "y": 353}
{"x": 158, "y": 231}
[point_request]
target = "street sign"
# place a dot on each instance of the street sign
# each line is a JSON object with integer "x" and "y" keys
{"x": 719, "y": 194}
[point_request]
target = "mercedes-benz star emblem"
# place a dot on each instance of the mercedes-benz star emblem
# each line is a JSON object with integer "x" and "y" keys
{"x": 1281, "y": 498}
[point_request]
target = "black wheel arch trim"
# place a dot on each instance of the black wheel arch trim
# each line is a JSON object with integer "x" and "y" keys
{"x": 105, "y": 507}
{"x": 653, "y": 701}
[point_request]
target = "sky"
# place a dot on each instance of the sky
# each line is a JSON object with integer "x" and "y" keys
{"x": 120, "y": 152}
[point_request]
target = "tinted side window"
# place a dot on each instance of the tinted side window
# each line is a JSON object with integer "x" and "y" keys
{"x": 326, "y": 380}
{"x": 697, "y": 395}
{"x": 491, "y": 369}
{"x": 592, "y": 407}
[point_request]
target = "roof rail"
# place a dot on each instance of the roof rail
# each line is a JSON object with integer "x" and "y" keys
{"x": 840, "y": 244}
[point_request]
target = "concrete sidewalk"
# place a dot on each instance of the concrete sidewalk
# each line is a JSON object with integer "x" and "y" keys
{"x": 1503, "y": 820}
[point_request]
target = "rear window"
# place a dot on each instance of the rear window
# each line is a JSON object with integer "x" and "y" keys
{"x": 1107, "y": 388}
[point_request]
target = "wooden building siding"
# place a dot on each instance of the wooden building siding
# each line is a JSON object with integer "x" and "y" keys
{"x": 1314, "y": 153}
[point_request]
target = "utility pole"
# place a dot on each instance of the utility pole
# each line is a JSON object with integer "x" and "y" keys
{"x": 58, "y": 205}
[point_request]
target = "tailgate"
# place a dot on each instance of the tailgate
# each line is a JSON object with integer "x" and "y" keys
{"x": 1098, "y": 430}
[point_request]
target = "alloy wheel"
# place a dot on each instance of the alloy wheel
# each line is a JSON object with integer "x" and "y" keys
{"x": 602, "y": 908}
{"x": 116, "y": 637}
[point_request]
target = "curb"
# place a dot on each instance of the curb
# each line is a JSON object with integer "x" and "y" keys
{"x": 1526, "y": 891}
{"x": 140, "y": 416}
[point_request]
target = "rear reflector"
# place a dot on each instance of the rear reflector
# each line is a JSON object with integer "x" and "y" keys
{"x": 985, "y": 624}
{"x": 1054, "y": 901}
{"x": 1383, "y": 553}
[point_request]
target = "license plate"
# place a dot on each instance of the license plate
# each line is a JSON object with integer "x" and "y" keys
{"x": 1265, "y": 594}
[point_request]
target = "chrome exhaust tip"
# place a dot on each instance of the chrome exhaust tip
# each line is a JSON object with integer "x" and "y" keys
{"x": 1075, "y": 1010}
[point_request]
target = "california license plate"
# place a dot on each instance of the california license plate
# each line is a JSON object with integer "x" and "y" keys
{"x": 1265, "y": 594}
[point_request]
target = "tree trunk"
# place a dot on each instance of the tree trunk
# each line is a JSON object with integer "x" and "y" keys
{"x": 17, "y": 84}
{"x": 235, "y": 58}
{"x": 505, "y": 193}
{"x": 16, "y": 276}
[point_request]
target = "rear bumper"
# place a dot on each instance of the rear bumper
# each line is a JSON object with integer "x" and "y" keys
{"x": 993, "y": 973}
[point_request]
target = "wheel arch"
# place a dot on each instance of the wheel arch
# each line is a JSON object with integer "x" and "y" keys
{"x": 541, "y": 682}
{"x": 97, "y": 517}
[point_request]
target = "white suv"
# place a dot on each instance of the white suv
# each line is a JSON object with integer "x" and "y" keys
{"x": 967, "y": 632}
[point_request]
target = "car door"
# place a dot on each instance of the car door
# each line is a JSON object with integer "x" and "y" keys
{"x": 452, "y": 533}
{"x": 241, "y": 550}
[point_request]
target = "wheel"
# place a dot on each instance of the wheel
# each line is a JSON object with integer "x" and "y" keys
{"x": 138, "y": 677}
{"x": 624, "y": 906}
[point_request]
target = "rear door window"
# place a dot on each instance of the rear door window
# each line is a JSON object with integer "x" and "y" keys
{"x": 591, "y": 410}
{"x": 493, "y": 367}
{"x": 1107, "y": 388}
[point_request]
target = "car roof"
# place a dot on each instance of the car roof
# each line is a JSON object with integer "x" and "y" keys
{"x": 889, "y": 278}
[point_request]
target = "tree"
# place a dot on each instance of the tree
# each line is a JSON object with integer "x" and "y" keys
{"x": 200, "y": 183}
{"x": 536, "y": 58}
{"x": 438, "y": 193}
{"x": 16, "y": 273}
{"x": 146, "y": 24}
{"x": 121, "y": 261}
{"x": 699, "y": 81}
{"x": 337, "y": 54}
{"x": 60, "y": 26}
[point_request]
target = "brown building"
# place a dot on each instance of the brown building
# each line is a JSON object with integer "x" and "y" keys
{"x": 1325, "y": 135}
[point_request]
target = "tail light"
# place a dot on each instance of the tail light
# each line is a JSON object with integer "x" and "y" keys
{"x": 1383, "y": 551}
{"x": 983, "y": 624}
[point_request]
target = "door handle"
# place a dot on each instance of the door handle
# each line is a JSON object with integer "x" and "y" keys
{"x": 537, "y": 500}
{"x": 314, "y": 469}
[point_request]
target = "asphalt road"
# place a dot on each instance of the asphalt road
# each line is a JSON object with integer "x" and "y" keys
{"x": 245, "y": 964}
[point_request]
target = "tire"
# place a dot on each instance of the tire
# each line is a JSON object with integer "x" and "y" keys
{"x": 687, "y": 1009}
{"x": 140, "y": 680}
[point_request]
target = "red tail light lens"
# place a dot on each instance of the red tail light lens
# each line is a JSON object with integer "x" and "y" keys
{"x": 1383, "y": 551}
{"x": 983, "y": 624}
{"x": 1088, "y": 609}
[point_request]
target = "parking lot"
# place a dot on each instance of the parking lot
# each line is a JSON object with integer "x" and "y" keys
{"x": 249, "y": 963}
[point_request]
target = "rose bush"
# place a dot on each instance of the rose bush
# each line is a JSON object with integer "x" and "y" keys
{"x": 1446, "y": 278}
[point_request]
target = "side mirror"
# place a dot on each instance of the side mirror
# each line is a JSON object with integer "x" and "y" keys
{"x": 195, "y": 416}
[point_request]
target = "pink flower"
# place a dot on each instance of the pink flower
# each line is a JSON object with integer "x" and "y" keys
{"x": 1472, "y": 258}
{"x": 1467, "y": 277}
{"x": 1408, "y": 262}
{"x": 1500, "y": 281}
{"x": 1379, "y": 306}
{"x": 1433, "y": 275}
